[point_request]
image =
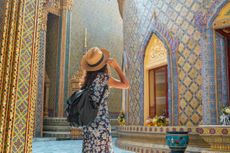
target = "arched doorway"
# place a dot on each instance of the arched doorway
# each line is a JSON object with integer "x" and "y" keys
{"x": 155, "y": 78}
{"x": 221, "y": 26}
{"x": 215, "y": 65}
{"x": 221, "y": 50}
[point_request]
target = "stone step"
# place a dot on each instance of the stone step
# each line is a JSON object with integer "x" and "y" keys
{"x": 44, "y": 139}
{"x": 113, "y": 128}
{"x": 63, "y": 121}
{"x": 114, "y": 122}
{"x": 56, "y": 128}
{"x": 64, "y": 135}
{"x": 59, "y": 128}
{"x": 114, "y": 134}
{"x": 56, "y": 121}
{"x": 55, "y": 124}
{"x": 114, "y": 131}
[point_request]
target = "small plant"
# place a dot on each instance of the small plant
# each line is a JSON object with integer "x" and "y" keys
{"x": 161, "y": 120}
{"x": 225, "y": 116}
{"x": 226, "y": 110}
{"x": 121, "y": 118}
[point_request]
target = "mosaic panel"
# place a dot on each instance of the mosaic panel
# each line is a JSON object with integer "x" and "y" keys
{"x": 134, "y": 64}
{"x": 3, "y": 13}
{"x": 212, "y": 90}
{"x": 40, "y": 97}
{"x": 178, "y": 17}
{"x": 2, "y": 23}
{"x": 9, "y": 63}
{"x": 23, "y": 104}
{"x": 188, "y": 61}
{"x": 221, "y": 73}
{"x": 186, "y": 20}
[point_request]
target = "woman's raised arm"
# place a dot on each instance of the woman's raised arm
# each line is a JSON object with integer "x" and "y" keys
{"x": 114, "y": 83}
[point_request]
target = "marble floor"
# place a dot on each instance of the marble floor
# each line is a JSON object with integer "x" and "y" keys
{"x": 64, "y": 146}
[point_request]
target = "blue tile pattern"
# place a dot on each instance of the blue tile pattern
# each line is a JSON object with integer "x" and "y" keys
{"x": 194, "y": 99}
{"x": 40, "y": 98}
{"x": 209, "y": 100}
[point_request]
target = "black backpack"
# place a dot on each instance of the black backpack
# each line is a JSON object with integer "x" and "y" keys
{"x": 80, "y": 110}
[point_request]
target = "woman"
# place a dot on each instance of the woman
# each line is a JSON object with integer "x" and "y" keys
{"x": 97, "y": 135}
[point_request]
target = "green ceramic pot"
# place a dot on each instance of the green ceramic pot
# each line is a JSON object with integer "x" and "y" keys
{"x": 177, "y": 141}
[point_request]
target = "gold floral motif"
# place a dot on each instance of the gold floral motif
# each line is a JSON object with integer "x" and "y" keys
{"x": 158, "y": 53}
{"x": 67, "y": 4}
{"x": 53, "y": 3}
{"x": 76, "y": 81}
{"x": 223, "y": 19}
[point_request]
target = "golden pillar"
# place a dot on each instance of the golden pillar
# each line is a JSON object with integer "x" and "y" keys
{"x": 20, "y": 23}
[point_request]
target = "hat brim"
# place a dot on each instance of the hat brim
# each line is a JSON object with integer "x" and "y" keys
{"x": 86, "y": 67}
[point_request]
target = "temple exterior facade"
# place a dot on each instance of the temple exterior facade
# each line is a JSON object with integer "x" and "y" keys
{"x": 192, "y": 47}
{"x": 175, "y": 54}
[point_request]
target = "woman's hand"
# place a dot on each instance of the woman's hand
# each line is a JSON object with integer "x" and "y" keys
{"x": 112, "y": 62}
{"x": 114, "y": 83}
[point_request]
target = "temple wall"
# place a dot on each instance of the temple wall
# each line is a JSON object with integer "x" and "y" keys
{"x": 18, "y": 73}
{"x": 179, "y": 24}
{"x": 104, "y": 29}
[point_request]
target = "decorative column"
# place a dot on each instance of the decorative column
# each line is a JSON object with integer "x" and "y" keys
{"x": 19, "y": 43}
{"x": 64, "y": 55}
{"x": 41, "y": 74}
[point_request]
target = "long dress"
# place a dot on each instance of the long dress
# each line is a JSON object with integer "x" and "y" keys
{"x": 97, "y": 136}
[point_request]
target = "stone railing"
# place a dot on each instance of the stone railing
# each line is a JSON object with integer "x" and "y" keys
{"x": 147, "y": 139}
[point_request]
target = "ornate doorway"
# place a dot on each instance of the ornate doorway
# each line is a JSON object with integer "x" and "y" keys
{"x": 221, "y": 28}
{"x": 223, "y": 36}
{"x": 155, "y": 78}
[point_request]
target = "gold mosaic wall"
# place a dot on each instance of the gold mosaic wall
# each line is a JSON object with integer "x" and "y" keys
{"x": 18, "y": 73}
{"x": 177, "y": 18}
{"x": 180, "y": 22}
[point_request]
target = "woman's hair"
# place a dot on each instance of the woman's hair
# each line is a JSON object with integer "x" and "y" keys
{"x": 90, "y": 76}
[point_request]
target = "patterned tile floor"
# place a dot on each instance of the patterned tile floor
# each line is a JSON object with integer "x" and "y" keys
{"x": 66, "y": 146}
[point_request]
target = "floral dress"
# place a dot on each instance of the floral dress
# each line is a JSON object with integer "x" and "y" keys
{"x": 97, "y": 136}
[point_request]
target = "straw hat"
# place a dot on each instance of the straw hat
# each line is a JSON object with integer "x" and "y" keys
{"x": 95, "y": 59}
